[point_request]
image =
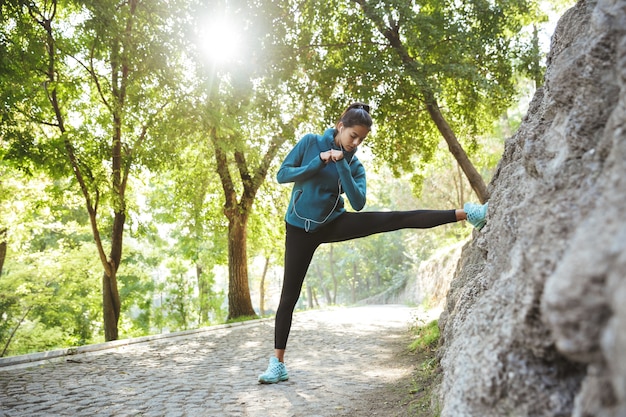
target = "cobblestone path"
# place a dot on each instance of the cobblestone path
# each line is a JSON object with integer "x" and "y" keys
{"x": 338, "y": 360}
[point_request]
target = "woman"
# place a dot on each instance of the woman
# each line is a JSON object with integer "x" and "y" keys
{"x": 322, "y": 168}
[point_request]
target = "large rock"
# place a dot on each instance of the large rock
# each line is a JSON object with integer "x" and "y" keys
{"x": 535, "y": 321}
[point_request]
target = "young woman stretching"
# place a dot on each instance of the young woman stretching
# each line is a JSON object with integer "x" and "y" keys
{"x": 323, "y": 168}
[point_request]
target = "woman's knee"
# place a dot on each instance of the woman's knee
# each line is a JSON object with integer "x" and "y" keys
{"x": 287, "y": 305}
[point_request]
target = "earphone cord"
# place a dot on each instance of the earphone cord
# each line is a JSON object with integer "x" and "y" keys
{"x": 307, "y": 221}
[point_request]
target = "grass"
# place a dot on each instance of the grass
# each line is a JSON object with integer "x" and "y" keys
{"x": 427, "y": 373}
{"x": 426, "y": 337}
{"x": 241, "y": 319}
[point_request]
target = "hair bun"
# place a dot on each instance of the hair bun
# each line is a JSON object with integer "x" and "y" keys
{"x": 360, "y": 106}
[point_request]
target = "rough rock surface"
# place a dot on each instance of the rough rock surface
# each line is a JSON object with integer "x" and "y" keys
{"x": 535, "y": 321}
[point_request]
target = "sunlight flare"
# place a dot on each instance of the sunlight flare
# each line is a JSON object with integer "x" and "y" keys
{"x": 221, "y": 41}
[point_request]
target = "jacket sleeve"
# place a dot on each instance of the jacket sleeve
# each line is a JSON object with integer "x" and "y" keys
{"x": 295, "y": 167}
{"x": 353, "y": 183}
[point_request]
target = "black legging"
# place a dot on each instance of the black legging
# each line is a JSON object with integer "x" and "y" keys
{"x": 301, "y": 245}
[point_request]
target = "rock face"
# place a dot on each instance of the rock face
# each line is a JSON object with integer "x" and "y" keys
{"x": 535, "y": 321}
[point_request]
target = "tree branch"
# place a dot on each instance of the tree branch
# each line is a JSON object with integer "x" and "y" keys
{"x": 8, "y": 342}
{"x": 240, "y": 160}
{"x": 221, "y": 167}
{"x": 46, "y": 24}
{"x": 393, "y": 36}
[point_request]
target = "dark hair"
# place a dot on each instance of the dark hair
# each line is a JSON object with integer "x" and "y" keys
{"x": 357, "y": 114}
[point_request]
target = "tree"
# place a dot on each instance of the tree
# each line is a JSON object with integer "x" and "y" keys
{"x": 433, "y": 68}
{"x": 96, "y": 77}
{"x": 247, "y": 109}
{"x": 237, "y": 211}
{"x": 3, "y": 247}
{"x": 530, "y": 58}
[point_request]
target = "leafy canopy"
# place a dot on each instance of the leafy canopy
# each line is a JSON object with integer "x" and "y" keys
{"x": 399, "y": 54}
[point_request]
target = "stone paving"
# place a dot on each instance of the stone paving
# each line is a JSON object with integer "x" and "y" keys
{"x": 336, "y": 358}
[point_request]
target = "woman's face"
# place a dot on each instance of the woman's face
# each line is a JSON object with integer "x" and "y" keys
{"x": 351, "y": 137}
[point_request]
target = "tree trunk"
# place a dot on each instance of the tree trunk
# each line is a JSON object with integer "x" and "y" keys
{"x": 393, "y": 36}
{"x": 324, "y": 288}
{"x": 315, "y": 300}
{"x": 239, "y": 301}
{"x": 111, "y": 304}
{"x": 309, "y": 295}
{"x": 475, "y": 179}
{"x": 110, "y": 310}
{"x": 203, "y": 295}
{"x": 262, "y": 286}
{"x": 327, "y": 295}
{"x": 3, "y": 248}
{"x": 354, "y": 282}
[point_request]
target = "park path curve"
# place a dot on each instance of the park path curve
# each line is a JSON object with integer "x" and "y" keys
{"x": 338, "y": 359}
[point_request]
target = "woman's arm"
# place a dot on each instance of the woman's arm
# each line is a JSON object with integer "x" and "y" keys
{"x": 295, "y": 167}
{"x": 353, "y": 183}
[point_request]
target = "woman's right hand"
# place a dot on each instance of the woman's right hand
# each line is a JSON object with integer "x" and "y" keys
{"x": 331, "y": 155}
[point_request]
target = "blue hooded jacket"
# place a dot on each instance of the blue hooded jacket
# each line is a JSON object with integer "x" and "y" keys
{"x": 316, "y": 196}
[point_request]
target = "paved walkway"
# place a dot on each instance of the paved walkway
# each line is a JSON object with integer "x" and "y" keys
{"x": 337, "y": 359}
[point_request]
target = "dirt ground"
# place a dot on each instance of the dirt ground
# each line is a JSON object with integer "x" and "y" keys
{"x": 408, "y": 397}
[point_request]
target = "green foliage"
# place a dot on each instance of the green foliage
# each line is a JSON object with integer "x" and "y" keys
{"x": 363, "y": 268}
{"x": 369, "y": 266}
{"x": 426, "y": 337}
{"x": 34, "y": 336}
{"x": 423, "y": 401}
{"x": 185, "y": 206}
{"x": 48, "y": 279}
{"x": 49, "y": 296}
{"x": 241, "y": 319}
{"x": 461, "y": 54}
{"x": 137, "y": 290}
